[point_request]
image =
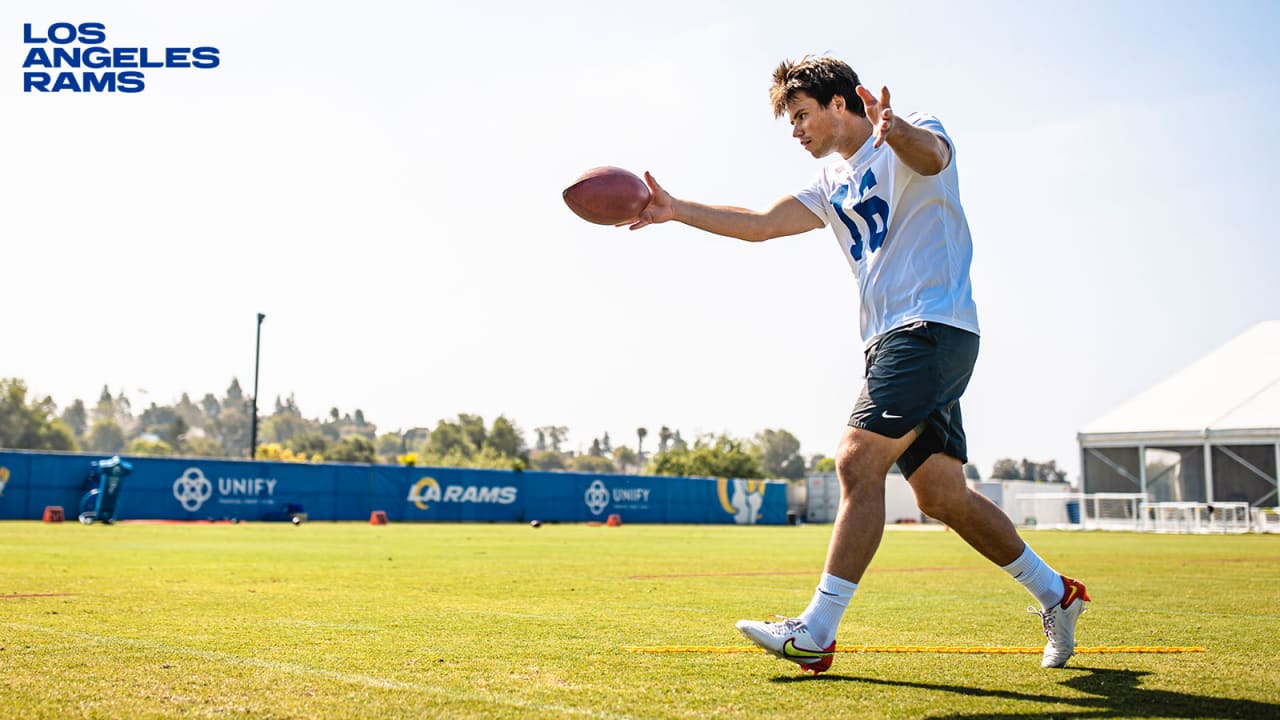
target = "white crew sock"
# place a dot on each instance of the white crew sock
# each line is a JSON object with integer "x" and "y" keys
{"x": 1037, "y": 577}
{"x": 822, "y": 617}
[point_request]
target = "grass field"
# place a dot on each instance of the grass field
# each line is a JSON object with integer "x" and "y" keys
{"x": 350, "y": 620}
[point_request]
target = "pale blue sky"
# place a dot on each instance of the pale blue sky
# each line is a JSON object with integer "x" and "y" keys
{"x": 382, "y": 180}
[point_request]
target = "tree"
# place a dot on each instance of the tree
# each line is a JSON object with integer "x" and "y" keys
{"x": 389, "y": 447}
{"x": 282, "y": 427}
{"x": 332, "y": 428}
{"x": 309, "y": 444}
{"x": 228, "y": 421}
{"x": 1024, "y": 469}
{"x": 488, "y": 457}
{"x": 235, "y": 396}
{"x": 1049, "y": 472}
{"x": 664, "y": 438}
{"x": 197, "y": 444}
{"x": 1027, "y": 470}
{"x": 446, "y": 438}
{"x": 124, "y": 413}
{"x": 552, "y": 436}
{"x": 232, "y": 429}
{"x": 720, "y": 456}
{"x": 593, "y": 464}
{"x": 15, "y": 417}
{"x": 117, "y": 409}
{"x": 30, "y": 426}
{"x": 1006, "y": 469}
{"x": 106, "y": 407}
{"x": 210, "y": 406}
{"x": 158, "y": 448}
{"x": 280, "y": 453}
{"x": 352, "y": 449}
{"x": 640, "y": 435}
{"x": 340, "y": 425}
{"x": 971, "y": 472}
{"x": 505, "y": 438}
{"x": 156, "y": 417}
{"x": 286, "y": 423}
{"x": 473, "y": 430}
{"x": 546, "y": 460}
{"x": 625, "y": 458}
{"x": 363, "y": 427}
{"x": 105, "y": 436}
{"x": 823, "y": 464}
{"x": 165, "y": 423}
{"x": 779, "y": 454}
{"x": 414, "y": 440}
{"x": 76, "y": 418}
{"x": 175, "y": 434}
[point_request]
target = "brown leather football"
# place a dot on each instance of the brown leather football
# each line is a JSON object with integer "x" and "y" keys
{"x": 607, "y": 196}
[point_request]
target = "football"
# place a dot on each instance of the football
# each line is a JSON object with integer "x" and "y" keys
{"x": 607, "y": 196}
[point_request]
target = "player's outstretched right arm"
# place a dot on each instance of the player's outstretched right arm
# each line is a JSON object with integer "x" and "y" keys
{"x": 788, "y": 216}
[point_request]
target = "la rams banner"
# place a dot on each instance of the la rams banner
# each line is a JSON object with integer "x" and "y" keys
{"x": 203, "y": 489}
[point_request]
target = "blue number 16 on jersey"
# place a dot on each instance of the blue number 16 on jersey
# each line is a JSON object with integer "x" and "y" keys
{"x": 869, "y": 208}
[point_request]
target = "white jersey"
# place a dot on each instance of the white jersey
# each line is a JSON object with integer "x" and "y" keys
{"x": 903, "y": 233}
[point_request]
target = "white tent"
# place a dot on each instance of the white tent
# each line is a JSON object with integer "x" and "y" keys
{"x": 1210, "y": 433}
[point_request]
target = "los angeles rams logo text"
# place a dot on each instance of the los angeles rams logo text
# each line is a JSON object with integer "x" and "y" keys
{"x": 427, "y": 491}
{"x": 66, "y": 47}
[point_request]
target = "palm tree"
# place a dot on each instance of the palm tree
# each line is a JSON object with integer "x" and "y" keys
{"x": 640, "y": 434}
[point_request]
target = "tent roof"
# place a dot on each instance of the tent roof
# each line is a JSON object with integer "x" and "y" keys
{"x": 1233, "y": 388}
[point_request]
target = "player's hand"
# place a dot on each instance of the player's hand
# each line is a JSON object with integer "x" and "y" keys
{"x": 882, "y": 118}
{"x": 660, "y": 209}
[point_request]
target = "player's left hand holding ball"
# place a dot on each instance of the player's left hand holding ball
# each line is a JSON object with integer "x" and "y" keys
{"x": 660, "y": 209}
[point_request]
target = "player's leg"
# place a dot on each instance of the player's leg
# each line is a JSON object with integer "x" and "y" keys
{"x": 898, "y": 394}
{"x": 934, "y": 462}
{"x": 942, "y": 494}
{"x": 934, "y": 467}
{"x": 862, "y": 462}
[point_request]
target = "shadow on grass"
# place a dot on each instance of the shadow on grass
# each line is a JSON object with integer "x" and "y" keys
{"x": 1116, "y": 693}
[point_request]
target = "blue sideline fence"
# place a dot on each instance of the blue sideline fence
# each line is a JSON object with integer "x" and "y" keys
{"x": 200, "y": 489}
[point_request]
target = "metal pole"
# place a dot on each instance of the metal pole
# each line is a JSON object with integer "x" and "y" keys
{"x": 253, "y": 423}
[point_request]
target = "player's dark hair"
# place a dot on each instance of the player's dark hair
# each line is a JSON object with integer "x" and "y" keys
{"x": 821, "y": 78}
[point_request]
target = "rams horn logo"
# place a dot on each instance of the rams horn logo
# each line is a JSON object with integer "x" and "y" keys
{"x": 425, "y": 489}
{"x": 744, "y": 502}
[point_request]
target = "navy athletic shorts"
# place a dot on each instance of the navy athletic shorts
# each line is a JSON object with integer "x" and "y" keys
{"x": 915, "y": 377}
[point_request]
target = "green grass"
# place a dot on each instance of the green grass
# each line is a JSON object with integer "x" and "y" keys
{"x": 443, "y": 620}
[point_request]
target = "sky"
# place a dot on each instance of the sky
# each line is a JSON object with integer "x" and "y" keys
{"x": 382, "y": 180}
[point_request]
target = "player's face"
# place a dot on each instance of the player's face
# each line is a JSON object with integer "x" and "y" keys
{"x": 813, "y": 125}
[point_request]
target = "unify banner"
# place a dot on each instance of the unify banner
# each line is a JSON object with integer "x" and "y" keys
{"x": 200, "y": 488}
